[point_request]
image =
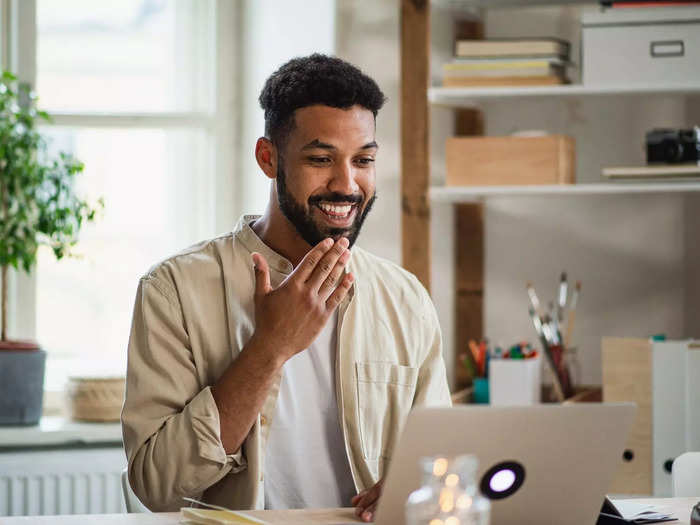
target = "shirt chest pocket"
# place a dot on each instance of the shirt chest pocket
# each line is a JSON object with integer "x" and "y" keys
{"x": 384, "y": 396}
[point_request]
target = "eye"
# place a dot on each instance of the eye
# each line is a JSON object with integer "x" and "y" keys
{"x": 365, "y": 161}
{"x": 319, "y": 160}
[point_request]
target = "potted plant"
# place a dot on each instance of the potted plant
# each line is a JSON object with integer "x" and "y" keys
{"x": 38, "y": 206}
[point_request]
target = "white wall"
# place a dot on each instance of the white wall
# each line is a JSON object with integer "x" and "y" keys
{"x": 632, "y": 252}
{"x": 273, "y": 32}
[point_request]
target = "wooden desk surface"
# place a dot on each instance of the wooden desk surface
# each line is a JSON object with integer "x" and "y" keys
{"x": 680, "y": 507}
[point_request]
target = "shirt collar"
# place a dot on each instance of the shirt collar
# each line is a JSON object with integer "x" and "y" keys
{"x": 245, "y": 234}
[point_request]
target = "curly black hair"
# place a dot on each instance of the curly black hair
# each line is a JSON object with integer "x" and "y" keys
{"x": 314, "y": 79}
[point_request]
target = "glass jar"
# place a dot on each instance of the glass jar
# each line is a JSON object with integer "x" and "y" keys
{"x": 449, "y": 494}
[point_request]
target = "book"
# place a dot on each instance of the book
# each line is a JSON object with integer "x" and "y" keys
{"x": 523, "y": 47}
{"x": 546, "y": 80}
{"x": 504, "y": 68}
{"x": 626, "y": 511}
{"x": 661, "y": 171}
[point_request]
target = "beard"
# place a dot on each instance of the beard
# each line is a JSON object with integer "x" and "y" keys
{"x": 303, "y": 221}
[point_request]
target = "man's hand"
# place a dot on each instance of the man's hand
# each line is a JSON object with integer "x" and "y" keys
{"x": 290, "y": 317}
{"x": 366, "y": 501}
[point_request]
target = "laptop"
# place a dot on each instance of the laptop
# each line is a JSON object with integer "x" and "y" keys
{"x": 564, "y": 458}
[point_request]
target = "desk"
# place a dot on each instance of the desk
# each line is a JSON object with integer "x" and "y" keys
{"x": 681, "y": 508}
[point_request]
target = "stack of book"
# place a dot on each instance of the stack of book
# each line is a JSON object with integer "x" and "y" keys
{"x": 511, "y": 62}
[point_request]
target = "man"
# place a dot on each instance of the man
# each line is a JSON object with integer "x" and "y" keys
{"x": 267, "y": 367}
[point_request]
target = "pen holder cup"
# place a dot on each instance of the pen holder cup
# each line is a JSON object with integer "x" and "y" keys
{"x": 480, "y": 392}
{"x": 515, "y": 381}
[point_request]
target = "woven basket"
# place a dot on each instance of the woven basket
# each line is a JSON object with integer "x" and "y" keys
{"x": 94, "y": 398}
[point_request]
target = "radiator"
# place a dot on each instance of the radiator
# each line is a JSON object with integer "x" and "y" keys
{"x": 61, "y": 482}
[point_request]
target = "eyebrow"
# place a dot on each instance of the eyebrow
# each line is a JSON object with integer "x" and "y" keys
{"x": 323, "y": 145}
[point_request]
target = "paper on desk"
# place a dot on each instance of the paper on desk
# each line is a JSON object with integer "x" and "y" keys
{"x": 216, "y": 517}
{"x": 641, "y": 512}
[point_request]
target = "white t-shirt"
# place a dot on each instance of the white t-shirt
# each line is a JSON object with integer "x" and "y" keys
{"x": 305, "y": 461}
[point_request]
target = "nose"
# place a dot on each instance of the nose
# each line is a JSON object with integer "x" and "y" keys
{"x": 343, "y": 179}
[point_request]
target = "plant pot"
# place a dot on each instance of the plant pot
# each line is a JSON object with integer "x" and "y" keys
{"x": 21, "y": 383}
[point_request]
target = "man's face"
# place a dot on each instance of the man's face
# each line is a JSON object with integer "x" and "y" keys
{"x": 325, "y": 173}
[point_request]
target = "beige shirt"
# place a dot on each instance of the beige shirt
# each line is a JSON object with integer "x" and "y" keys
{"x": 193, "y": 315}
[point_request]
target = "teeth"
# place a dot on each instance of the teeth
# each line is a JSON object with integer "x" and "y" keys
{"x": 335, "y": 210}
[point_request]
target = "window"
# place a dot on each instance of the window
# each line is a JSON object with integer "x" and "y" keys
{"x": 132, "y": 88}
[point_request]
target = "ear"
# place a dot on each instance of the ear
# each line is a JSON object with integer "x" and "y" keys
{"x": 266, "y": 155}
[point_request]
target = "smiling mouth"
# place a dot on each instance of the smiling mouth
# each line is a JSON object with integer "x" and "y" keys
{"x": 337, "y": 211}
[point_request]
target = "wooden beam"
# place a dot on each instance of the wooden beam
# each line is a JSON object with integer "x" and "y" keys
{"x": 415, "y": 130}
{"x": 469, "y": 283}
{"x": 468, "y": 241}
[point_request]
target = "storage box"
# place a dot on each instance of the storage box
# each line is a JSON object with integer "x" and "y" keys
{"x": 662, "y": 379}
{"x": 515, "y": 381}
{"x": 653, "y": 45}
{"x": 95, "y": 398}
{"x": 511, "y": 161}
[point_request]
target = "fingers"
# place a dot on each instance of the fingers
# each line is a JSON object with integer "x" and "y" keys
{"x": 357, "y": 498}
{"x": 327, "y": 263}
{"x": 262, "y": 275}
{"x": 307, "y": 265}
{"x": 329, "y": 284}
{"x": 366, "y": 502}
{"x": 368, "y": 514}
{"x": 339, "y": 293}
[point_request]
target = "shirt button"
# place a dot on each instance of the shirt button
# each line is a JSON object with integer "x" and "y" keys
{"x": 263, "y": 420}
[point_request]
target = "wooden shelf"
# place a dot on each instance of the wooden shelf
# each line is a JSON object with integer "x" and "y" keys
{"x": 465, "y": 4}
{"x": 467, "y": 97}
{"x": 465, "y": 194}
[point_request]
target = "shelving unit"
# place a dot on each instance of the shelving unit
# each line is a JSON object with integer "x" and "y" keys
{"x": 417, "y": 96}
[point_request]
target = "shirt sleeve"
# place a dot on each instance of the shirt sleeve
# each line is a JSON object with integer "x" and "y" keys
{"x": 170, "y": 422}
{"x": 432, "y": 388}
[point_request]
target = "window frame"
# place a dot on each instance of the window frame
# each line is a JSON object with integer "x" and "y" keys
{"x": 18, "y": 52}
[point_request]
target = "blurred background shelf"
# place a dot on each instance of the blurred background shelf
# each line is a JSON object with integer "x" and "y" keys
{"x": 465, "y": 194}
{"x": 466, "y": 97}
{"x": 468, "y": 4}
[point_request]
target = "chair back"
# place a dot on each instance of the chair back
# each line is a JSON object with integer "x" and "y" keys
{"x": 685, "y": 475}
{"x": 132, "y": 503}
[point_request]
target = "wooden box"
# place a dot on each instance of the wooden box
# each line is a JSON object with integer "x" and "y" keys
{"x": 511, "y": 161}
{"x": 661, "y": 378}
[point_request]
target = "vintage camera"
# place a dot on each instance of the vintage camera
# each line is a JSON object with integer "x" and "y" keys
{"x": 673, "y": 146}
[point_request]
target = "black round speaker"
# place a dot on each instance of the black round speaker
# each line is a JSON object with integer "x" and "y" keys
{"x": 502, "y": 480}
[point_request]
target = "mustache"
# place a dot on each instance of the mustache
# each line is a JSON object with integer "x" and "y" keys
{"x": 335, "y": 197}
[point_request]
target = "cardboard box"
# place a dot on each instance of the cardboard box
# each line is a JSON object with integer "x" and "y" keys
{"x": 657, "y": 45}
{"x": 511, "y": 161}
